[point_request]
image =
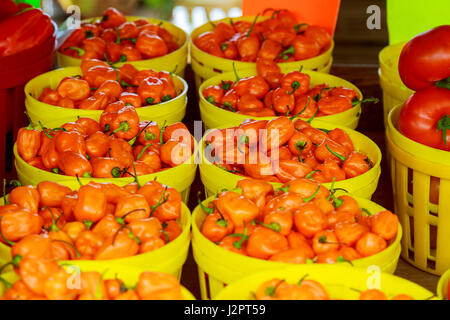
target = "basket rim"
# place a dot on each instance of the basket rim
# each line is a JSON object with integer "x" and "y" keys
{"x": 318, "y": 270}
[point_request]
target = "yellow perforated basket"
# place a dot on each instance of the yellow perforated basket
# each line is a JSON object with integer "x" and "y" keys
{"x": 394, "y": 91}
{"x": 179, "y": 177}
{"x": 444, "y": 285}
{"x": 426, "y": 221}
{"x": 206, "y": 65}
{"x": 53, "y": 116}
{"x": 175, "y": 61}
{"x": 341, "y": 282}
{"x": 219, "y": 267}
{"x": 213, "y": 116}
{"x": 216, "y": 179}
{"x": 169, "y": 258}
{"x": 128, "y": 274}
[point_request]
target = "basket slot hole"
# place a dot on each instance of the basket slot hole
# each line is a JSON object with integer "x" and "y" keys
{"x": 433, "y": 240}
{"x": 434, "y": 191}
{"x": 410, "y": 254}
{"x": 411, "y": 232}
{"x": 410, "y": 185}
{"x": 431, "y": 264}
{"x": 201, "y": 63}
{"x": 217, "y": 70}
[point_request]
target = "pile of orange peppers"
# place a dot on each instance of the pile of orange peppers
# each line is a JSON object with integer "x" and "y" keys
{"x": 119, "y": 145}
{"x": 99, "y": 221}
{"x": 279, "y": 38}
{"x": 102, "y": 84}
{"x": 272, "y": 93}
{"x": 300, "y": 222}
{"x": 308, "y": 289}
{"x": 114, "y": 39}
{"x": 288, "y": 150}
{"x": 44, "y": 279}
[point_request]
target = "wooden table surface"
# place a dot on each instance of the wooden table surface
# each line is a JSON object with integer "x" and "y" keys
{"x": 365, "y": 77}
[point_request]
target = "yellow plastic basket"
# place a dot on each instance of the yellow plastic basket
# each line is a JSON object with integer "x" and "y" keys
{"x": 206, "y": 65}
{"x": 216, "y": 179}
{"x": 128, "y": 274}
{"x": 219, "y": 267}
{"x": 213, "y": 116}
{"x": 169, "y": 258}
{"x": 394, "y": 91}
{"x": 426, "y": 223}
{"x": 175, "y": 61}
{"x": 52, "y": 116}
{"x": 179, "y": 177}
{"x": 443, "y": 285}
{"x": 339, "y": 281}
{"x": 393, "y": 94}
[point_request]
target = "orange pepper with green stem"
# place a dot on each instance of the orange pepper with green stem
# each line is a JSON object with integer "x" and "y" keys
{"x": 150, "y": 90}
{"x": 112, "y": 18}
{"x": 97, "y": 144}
{"x": 73, "y": 88}
{"x": 240, "y": 209}
{"x": 170, "y": 231}
{"x": 26, "y": 197}
{"x": 34, "y": 273}
{"x": 132, "y": 207}
{"x": 122, "y": 244}
{"x": 356, "y": 164}
{"x": 28, "y": 141}
{"x": 125, "y": 124}
{"x": 104, "y": 167}
{"x": 74, "y": 164}
{"x": 99, "y": 74}
{"x": 18, "y": 224}
{"x": 151, "y": 45}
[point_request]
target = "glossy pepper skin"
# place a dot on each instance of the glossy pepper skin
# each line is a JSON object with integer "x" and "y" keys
{"x": 28, "y": 142}
{"x": 24, "y": 30}
{"x": 91, "y": 204}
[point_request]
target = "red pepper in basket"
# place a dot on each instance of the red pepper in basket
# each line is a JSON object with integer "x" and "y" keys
{"x": 125, "y": 124}
{"x": 151, "y": 45}
{"x": 112, "y": 18}
{"x": 24, "y": 30}
{"x": 28, "y": 142}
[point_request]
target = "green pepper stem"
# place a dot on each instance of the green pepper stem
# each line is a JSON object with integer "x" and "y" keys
{"x": 307, "y": 199}
{"x": 444, "y": 125}
{"x": 374, "y": 100}
{"x": 342, "y": 158}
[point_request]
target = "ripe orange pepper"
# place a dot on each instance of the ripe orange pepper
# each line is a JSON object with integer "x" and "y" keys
{"x": 356, "y": 164}
{"x": 122, "y": 244}
{"x": 73, "y": 88}
{"x": 125, "y": 124}
{"x": 33, "y": 246}
{"x": 174, "y": 153}
{"x": 55, "y": 287}
{"x": 150, "y": 90}
{"x": 240, "y": 209}
{"x": 289, "y": 170}
{"x": 213, "y": 94}
{"x": 131, "y": 98}
{"x": 254, "y": 85}
{"x": 280, "y": 221}
{"x": 235, "y": 242}
{"x": 73, "y": 229}
{"x": 248, "y": 103}
{"x": 156, "y": 286}
{"x": 151, "y": 45}
{"x": 97, "y": 144}
{"x": 112, "y": 18}
{"x": 91, "y": 204}
{"x": 297, "y": 241}
{"x": 130, "y": 53}
{"x": 370, "y": 244}
{"x": 70, "y": 141}
{"x": 283, "y": 101}
{"x": 132, "y": 207}
{"x": 35, "y": 280}
{"x": 279, "y": 131}
{"x": 324, "y": 241}
{"x": 88, "y": 243}
{"x": 349, "y": 233}
{"x": 297, "y": 256}
{"x": 104, "y": 167}
{"x": 264, "y": 243}
{"x": 309, "y": 220}
{"x": 304, "y": 48}
{"x": 296, "y": 82}
{"x": 92, "y": 286}
{"x": 307, "y": 188}
{"x": 334, "y": 104}
{"x": 121, "y": 150}
{"x": 255, "y": 190}
{"x": 269, "y": 69}
{"x": 28, "y": 142}
{"x": 385, "y": 224}
{"x": 17, "y": 224}
{"x": 74, "y": 164}
{"x": 372, "y": 294}
{"x": 49, "y": 96}
{"x": 171, "y": 229}
{"x": 26, "y": 197}
{"x": 98, "y": 74}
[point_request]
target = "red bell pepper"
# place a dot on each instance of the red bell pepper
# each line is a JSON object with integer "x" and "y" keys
{"x": 24, "y": 30}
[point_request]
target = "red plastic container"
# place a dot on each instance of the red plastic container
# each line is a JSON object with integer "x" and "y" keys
{"x": 15, "y": 72}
